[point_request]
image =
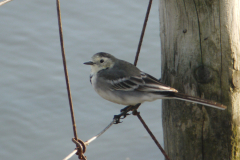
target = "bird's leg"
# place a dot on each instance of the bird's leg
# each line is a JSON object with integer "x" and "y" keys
{"x": 124, "y": 112}
{"x": 134, "y": 109}
{"x": 126, "y": 109}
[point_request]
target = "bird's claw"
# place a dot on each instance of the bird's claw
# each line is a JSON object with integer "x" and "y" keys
{"x": 120, "y": 116}
{"x": 117, "y": 119}
{"x": 124, "y": 113}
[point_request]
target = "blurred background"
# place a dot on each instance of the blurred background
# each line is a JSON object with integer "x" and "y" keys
{"x": 35, "y": 120}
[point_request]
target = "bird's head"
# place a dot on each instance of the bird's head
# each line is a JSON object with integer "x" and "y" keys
{"x": 101, "y": 61}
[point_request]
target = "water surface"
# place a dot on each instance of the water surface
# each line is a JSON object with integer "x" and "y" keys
{"x": 34, "y": 114}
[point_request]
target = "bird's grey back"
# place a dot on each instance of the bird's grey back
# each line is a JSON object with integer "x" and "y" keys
{"x": 120, "y": 69}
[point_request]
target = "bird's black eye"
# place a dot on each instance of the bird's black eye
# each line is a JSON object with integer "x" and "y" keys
{"x": 101, "y": 61}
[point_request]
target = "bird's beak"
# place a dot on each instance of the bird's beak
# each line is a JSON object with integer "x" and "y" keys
{"x": 89, "y": 63}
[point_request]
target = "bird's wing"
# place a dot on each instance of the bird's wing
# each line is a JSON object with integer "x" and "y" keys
{"x": 153, "y": 85}
{"x": 143, "y": 82}
{"x": 125, "y": 84}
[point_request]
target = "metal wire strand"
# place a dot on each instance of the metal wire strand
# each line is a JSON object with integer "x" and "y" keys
{"x": 65, "y": 69}
{"x": 143, "y": 31}
{"x": 91, "y": 139}
{"x": 4, "y": 2}
{"x": 135, "y": 63}
{"x": 99, "y": 134}
{"x": 153, "y": 137}
{"x": 70, "y": 155}
{"x": 79, "y": 145}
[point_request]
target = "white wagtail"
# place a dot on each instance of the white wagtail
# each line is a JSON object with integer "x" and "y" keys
{"x": 121, "y": 82}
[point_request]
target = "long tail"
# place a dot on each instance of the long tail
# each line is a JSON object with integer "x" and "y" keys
{"x": 204, "y": 102}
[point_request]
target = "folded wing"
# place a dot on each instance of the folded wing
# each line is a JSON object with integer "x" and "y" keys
{"x": 144, "y": 82}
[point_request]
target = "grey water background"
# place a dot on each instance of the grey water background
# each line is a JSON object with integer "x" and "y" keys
{"x": 35, "y": 119}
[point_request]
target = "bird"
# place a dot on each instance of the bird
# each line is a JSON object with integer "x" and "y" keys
{"x": 123, "y": 83}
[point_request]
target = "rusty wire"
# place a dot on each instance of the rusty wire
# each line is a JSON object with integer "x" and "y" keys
{"x": 88, "y": 141}
{"x": 152, "y": 135}
{"x": 81, "y": 148}
{"x": 143, "y": 31}
{"x": 135, "y": 63}
{"x": 65, "y": 70}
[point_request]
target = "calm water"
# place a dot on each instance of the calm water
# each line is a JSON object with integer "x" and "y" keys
{"x": 34, "y": 112}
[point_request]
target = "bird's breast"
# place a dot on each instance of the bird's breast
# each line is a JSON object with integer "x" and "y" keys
{"x": 93, "y": 80}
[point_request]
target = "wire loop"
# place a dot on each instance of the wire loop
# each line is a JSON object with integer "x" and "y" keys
{"x": 81, "y": 148}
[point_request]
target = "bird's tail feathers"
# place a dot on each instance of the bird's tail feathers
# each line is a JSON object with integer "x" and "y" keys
{"x": 204, "y": 102}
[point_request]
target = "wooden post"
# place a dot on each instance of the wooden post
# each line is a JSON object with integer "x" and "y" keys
{"x": 200, "y": 42}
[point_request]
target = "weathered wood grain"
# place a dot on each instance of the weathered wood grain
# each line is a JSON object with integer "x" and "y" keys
{"x": 200, "y": 41}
